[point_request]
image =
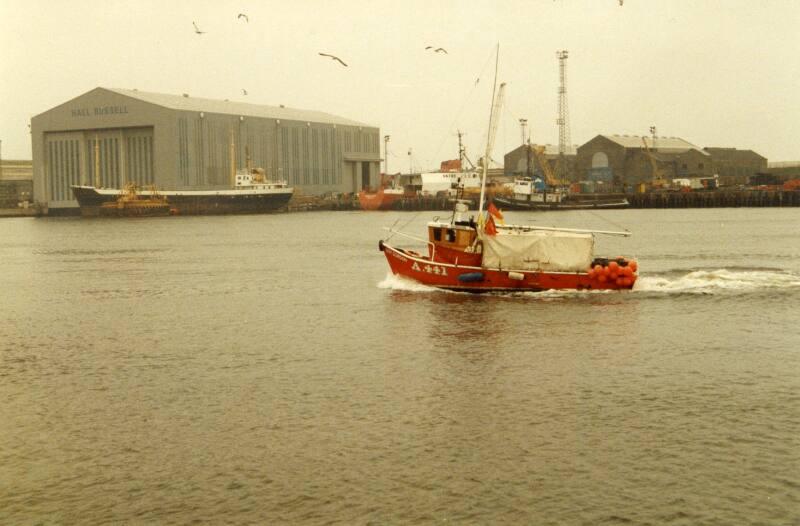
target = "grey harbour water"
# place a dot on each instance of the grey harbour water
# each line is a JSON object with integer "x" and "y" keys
{"x": 267, "y": 369}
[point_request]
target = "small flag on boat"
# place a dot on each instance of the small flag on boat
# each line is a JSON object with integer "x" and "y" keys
{"x": 490, "y": 227}
{"x": 495, "y": 212}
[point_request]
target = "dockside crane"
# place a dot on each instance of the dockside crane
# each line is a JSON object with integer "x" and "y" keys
{"x": 657, "y": 180}
{"x": 544, "y": 164}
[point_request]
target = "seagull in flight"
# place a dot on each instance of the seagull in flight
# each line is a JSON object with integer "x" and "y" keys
{"x": 437, "y": 50}
{"x": 334, "y": 58}
{"x": 244, "y": 91}
{"x": 197, "y": 29}
{"x": 242, "y": 15}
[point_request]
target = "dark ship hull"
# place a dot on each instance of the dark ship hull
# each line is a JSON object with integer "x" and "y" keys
{"x": 509, "y": 203}
{"x": 193, "y": 202}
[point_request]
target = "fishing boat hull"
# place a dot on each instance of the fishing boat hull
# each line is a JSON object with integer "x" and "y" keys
{"x": 192, "y": 202}
{"x": 450, "y": 276}
{"x": 510, "y": 203}
{"x": 381, "y": 200}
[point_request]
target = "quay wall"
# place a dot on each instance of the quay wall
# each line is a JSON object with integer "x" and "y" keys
{"x": 715, "y": 199}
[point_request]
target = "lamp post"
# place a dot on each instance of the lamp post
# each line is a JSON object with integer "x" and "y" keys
{"x": 386, "y": 154}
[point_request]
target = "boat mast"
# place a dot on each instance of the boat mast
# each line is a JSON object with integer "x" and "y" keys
{"x": 492, "y": 130}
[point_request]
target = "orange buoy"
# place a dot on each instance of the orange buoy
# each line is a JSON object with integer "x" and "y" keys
{"x": 620, "y": 281}
{"x": 602, "y": 278}
{"x": 614, "y": 266}
{"x": 613, "y": 276}
{"x": 626, "y": 282}
{"x": 598, "y": 269}
{"x": 632, "y": 264}
{"x": 590, "y": 273}
{"x": 627, "y": 272}
{"x": 606, "y": 271}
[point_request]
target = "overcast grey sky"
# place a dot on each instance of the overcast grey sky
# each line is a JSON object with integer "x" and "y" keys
{"x": 716, "y": 73}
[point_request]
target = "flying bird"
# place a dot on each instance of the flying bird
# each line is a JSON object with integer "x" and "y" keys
{"x": 437, "y": 50}
{"x": 197, "y": 29}
{"x": 620, "y": 2}
{"x": 242, "y": 15}
{"x": 244, "y": 91}
{"x": 334, "y": 58}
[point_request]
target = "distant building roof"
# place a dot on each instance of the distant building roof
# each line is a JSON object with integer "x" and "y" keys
{"x": 188, "y": 103}
{"x": 661, "y": 145}
{"x": 551, "y": 149}
{"x": 784, "y": 164}
{"x": 733, "y": 153}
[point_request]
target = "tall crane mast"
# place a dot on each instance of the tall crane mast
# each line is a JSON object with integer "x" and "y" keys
{"x": 563, "y": 114}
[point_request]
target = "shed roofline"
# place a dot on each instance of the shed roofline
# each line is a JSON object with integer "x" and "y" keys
{"x": 165, "y": 100}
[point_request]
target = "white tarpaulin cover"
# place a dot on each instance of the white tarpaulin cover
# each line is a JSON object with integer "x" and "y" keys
{"x": 538, "y": 250}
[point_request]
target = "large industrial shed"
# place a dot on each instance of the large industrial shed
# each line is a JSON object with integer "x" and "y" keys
{"x": 183, "y": 142}
{"x": 623, "y": 161}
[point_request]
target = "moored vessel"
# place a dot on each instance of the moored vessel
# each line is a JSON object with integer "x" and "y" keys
{"x": 251, "y": 193}
{"x": 383, "y": 198}
{"x": 550, "y": 193}
{"x": 249, "y": 196}
{"x": 556, "y": 199}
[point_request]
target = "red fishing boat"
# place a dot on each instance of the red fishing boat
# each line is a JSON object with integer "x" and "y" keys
{"x": 483, "y": 254}
{"x": 486, "y": 256}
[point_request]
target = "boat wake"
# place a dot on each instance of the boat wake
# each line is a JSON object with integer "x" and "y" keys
{"x": 701, "y": 282}
{"x": 718, "y": 281}
{"x": 395, "y": 282}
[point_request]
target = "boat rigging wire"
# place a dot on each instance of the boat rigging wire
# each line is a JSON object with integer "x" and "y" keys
{"x": 392, "y": 229}
{"x": 464, "y": 104}
{"x": 607, "y": 220}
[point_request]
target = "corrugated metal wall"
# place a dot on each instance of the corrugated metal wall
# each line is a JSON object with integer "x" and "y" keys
{"x": 63, "y": 152}
{"x": 122, "y": 155}
{"x": 302, "y": 154}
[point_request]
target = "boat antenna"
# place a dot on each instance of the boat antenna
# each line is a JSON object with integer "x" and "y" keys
{"x": 492, "y": 129}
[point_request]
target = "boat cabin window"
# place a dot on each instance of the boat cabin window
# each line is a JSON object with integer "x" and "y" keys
{"x": 451, "y": 235}
{"x": 437, "y": 234}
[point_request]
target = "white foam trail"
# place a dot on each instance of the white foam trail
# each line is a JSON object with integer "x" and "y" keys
{"x": 696, "y": 282}
{"x": 721, "y": 280}
{"x": 394, "y": 282}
